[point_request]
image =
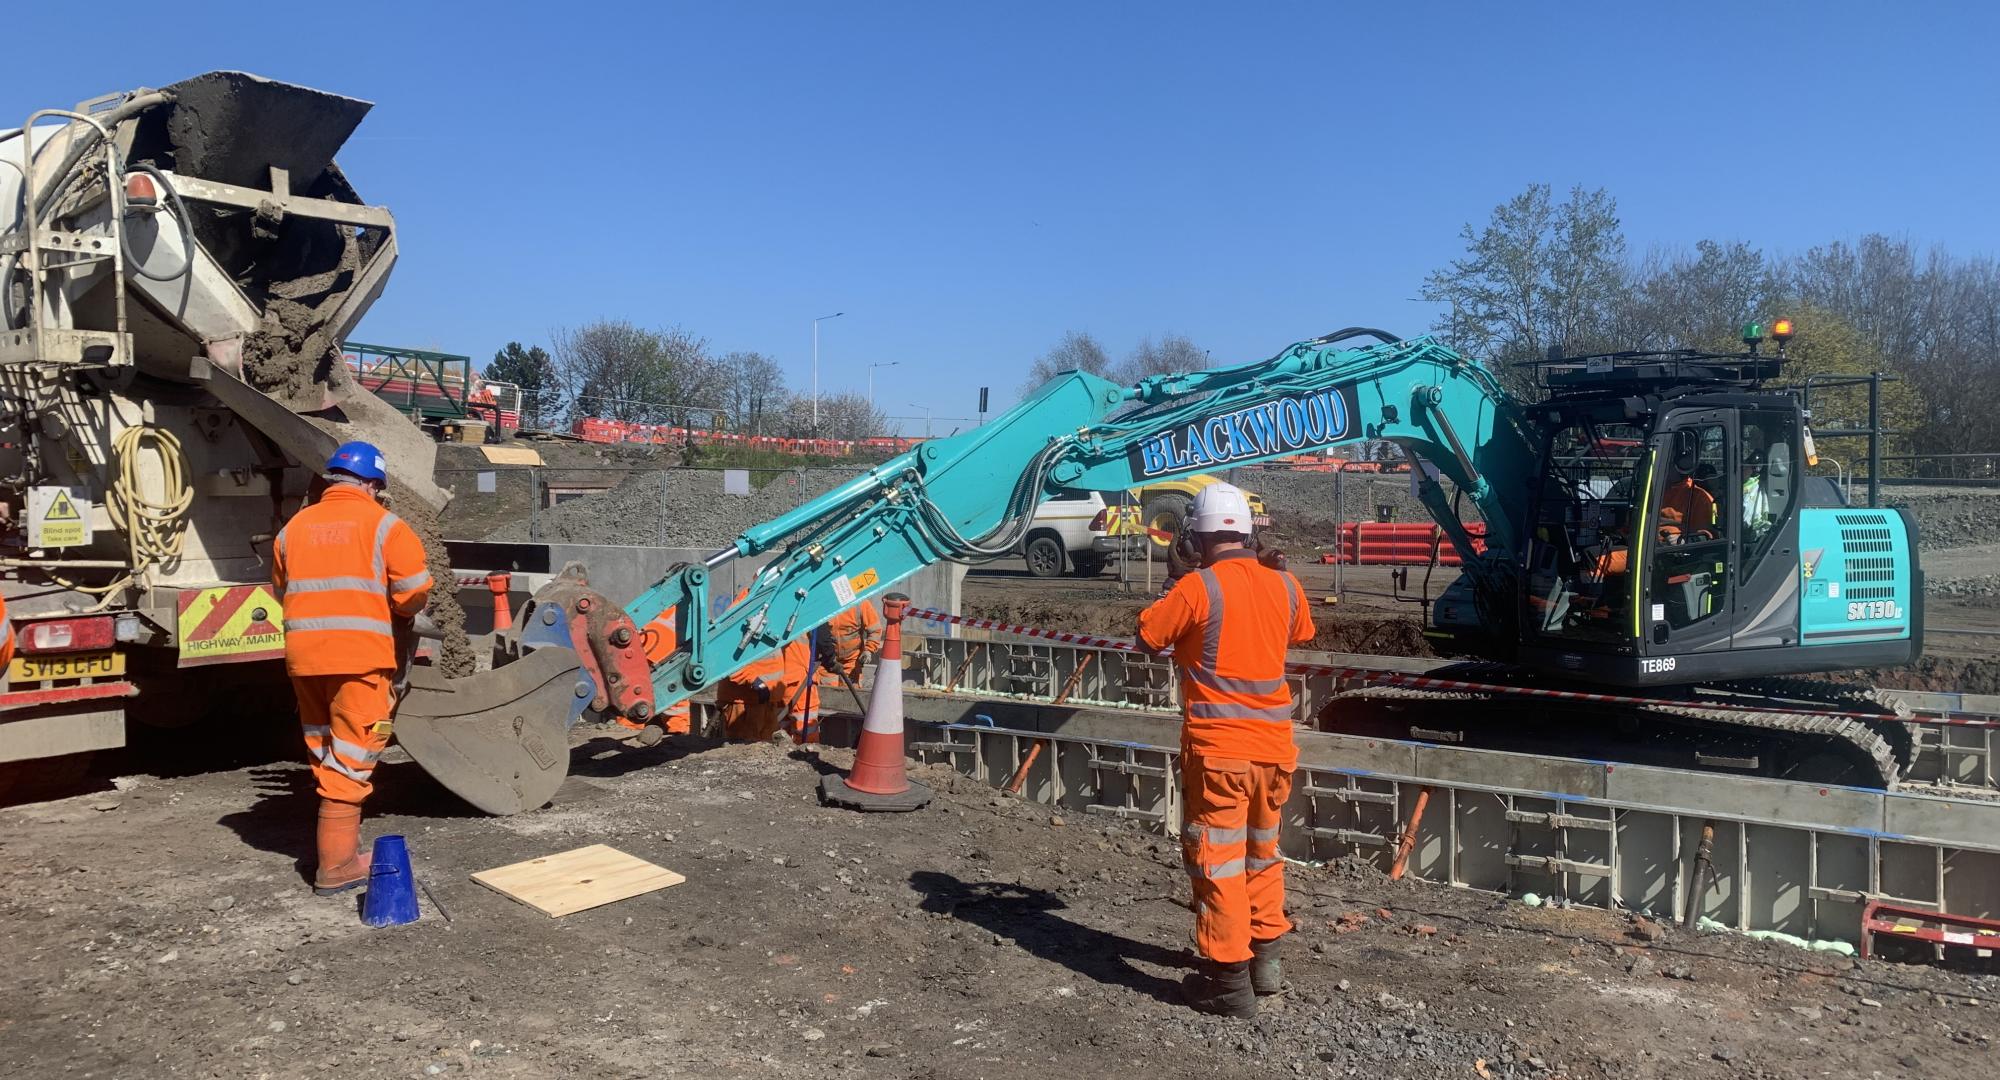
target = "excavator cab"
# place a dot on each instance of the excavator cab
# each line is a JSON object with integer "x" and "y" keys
{"x": 1673, "y": 540}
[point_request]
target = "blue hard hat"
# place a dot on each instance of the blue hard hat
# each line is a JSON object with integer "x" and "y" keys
{"x": 360, "y": 459}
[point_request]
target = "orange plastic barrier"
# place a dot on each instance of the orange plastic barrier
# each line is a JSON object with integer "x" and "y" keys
{"x": 1396, "y": 543}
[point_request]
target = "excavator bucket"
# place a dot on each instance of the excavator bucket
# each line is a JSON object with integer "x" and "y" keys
{"x": 497, "y": 739}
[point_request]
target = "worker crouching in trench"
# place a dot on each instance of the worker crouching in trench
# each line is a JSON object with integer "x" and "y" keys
{"x": 1229, "y": 625}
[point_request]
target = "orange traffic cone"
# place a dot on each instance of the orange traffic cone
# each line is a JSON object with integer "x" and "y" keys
{"x": 878, "y": 780}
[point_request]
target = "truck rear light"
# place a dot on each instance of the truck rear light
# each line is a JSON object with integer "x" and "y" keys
{"x": 1102, "y": 521}
{"x": 67, "y": 635}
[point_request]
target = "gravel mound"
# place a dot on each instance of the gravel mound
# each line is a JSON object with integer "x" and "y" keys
{"x": 673, "y": 508}
{"x": 1946, "y": 517}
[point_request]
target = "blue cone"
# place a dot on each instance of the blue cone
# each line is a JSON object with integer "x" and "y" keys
{"x": 392, "y": 889}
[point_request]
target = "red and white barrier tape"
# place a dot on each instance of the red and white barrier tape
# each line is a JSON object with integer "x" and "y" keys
{"x": 1429, "y": 682}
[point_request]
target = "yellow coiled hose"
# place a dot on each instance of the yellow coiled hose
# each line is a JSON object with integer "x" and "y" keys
{"x": 154, "y": 530}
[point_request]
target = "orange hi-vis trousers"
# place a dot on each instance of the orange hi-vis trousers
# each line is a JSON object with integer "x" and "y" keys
{"x": 346, "y": 724}
{"x": 1230, "y": 847}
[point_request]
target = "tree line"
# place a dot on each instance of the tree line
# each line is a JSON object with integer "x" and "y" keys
{"x": 615, "y": 370}
{"x": 1079, "y": 351}
{"x": 1546, "y": 276}
{"x": 1550, "y": 276}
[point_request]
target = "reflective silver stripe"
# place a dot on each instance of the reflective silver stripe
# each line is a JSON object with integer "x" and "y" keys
{"x": 1265, "y": 836}
{"x": 1223, "y": 710}
{"x": 1224, "y": 836}
{"x": 341, "y": 622}
{"x": 362, "y": 775}
{"x": 317, "y": 731}
{"x": 1211, "y": 632}
{"x": 333, "y": 584}
{"x": 382, "y": 538}
{"x": 1230, "y": 685}
{"x": 281, "y": 543}
{"x": 1262, "y": 864}
{"x": 7, "y": 638}
{"x": 358, "y": 753}
{"x": 1229, "y": 869}
{"x": 1292, "y": 590}
{"x": 414, "y": 581}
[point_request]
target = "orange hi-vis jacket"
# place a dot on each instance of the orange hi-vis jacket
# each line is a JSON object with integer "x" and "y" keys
{"x": 660, "y": 639}
{"x": 343, "y": 566}
{"x": 1229, "y": 626}
{"x": 857, "y": 635}
{"x": 779, "y": 672}
{"x": 1688, "y": 505}
{"x": 6, "y": 641}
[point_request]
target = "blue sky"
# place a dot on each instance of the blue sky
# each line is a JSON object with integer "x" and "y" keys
{"x": 967, "y": 181}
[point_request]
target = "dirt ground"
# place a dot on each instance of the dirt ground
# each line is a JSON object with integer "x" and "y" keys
{"x": 159, "y": 926}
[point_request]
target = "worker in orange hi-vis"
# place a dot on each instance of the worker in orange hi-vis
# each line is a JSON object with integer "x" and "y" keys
{"x": 802, "y": 689}
{"x": 755, "y": 700}
{"x": 6, "y": 642}
{"x": 659, "y": 639}
{"x": 1229, "y": 625}
{"x": 347, "y": 570}
{"x": 848, "y": 641}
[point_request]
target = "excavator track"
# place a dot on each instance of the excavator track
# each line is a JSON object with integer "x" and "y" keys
{"x": 1787, "y": 745}
{"x": 1837, "y": 696}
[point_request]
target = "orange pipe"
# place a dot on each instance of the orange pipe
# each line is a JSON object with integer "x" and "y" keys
{"x": 1020, "y": 777}
{"x": 970, "y": 655}
{"x": 1076, "y": 676}
{"x": 1408, "y": 841}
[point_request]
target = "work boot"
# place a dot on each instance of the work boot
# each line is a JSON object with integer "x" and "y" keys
{"x": 1267, "y": 971}
{"x": 342, "y": 863}
{"x": 1221, "y": 989}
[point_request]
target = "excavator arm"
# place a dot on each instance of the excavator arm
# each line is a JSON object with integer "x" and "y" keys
{"x": 969, "y": 497}
{"x": 498, "y": 739}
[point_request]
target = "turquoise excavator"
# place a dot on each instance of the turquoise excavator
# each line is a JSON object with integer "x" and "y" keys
{"x": 1651, "y": 536}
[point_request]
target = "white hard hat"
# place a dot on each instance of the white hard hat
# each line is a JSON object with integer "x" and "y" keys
{"x": 1220, "y": 508}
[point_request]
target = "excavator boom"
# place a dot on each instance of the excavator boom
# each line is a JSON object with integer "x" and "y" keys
{"x": 969, "y": 496}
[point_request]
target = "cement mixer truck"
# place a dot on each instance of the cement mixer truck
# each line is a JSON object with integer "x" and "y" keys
{"x": 177, "y": 269}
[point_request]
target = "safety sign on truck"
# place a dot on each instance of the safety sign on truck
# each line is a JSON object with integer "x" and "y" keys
{"x": 57, "y": 518}
{"x": 230, "y": 624}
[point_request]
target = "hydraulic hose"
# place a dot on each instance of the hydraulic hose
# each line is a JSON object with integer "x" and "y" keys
{"x": 180, "y": 218}
{"x": 1382, "y": 336}
{"x": 1019, "y": 515}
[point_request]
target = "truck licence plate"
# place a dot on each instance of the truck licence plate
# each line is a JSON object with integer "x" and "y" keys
{"x": 1260, "y": 520}
{"x": 70, "y": 666}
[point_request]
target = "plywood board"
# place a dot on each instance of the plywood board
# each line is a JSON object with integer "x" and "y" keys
{"x": 572, "y": 881}
{"x": 511, "y": 455}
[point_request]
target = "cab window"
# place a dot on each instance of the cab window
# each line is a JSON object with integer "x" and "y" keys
{"x": 1689, "y": 576}
{"x": 1768, "y": 479}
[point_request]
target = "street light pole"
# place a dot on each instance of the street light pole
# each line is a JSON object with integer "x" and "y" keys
{"x": 927, "y": 417}
{"x": 816, "y": 323}
{"x": 871, "y": 379}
